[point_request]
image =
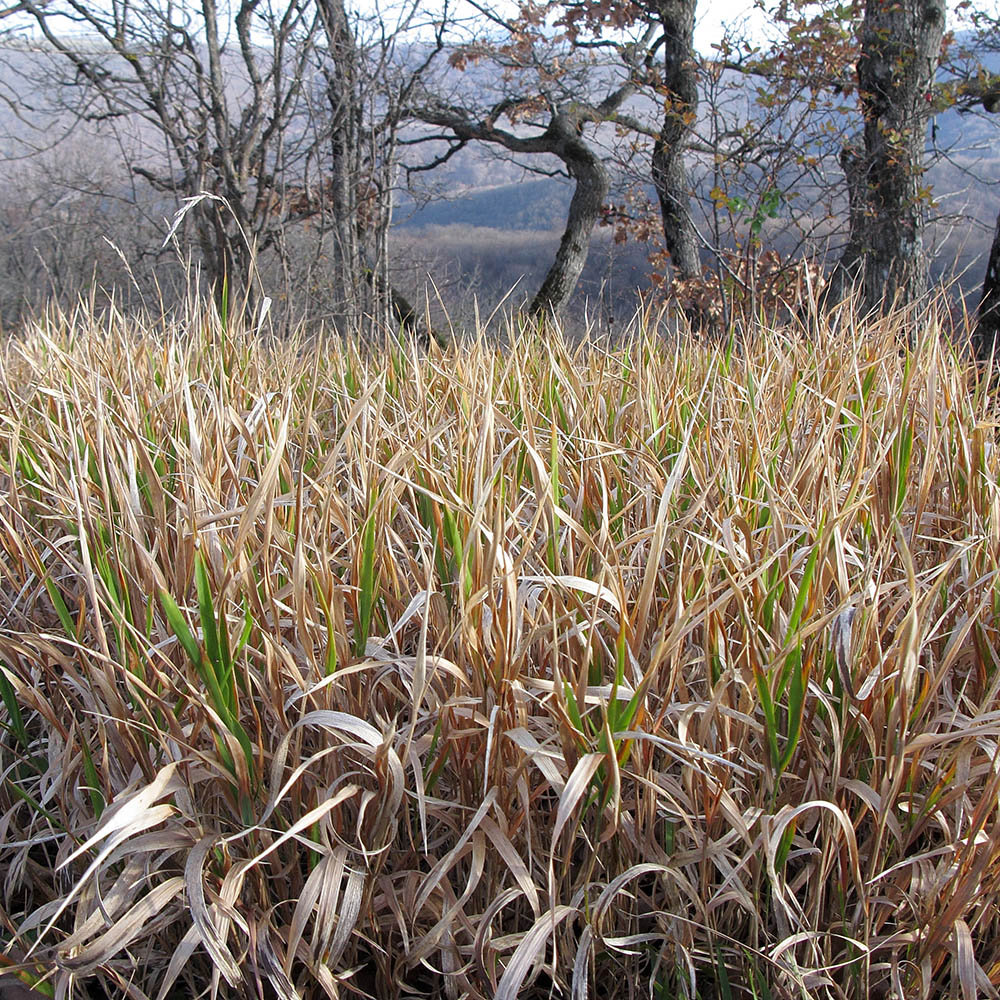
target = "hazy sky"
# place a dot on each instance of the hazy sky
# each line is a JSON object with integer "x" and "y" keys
{"x": 713, "y": 14}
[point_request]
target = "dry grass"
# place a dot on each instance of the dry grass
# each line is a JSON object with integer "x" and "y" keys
{"x": 608, "y": 673}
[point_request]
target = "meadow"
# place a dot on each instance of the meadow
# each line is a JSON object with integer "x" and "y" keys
{"x": 650, "y": 669}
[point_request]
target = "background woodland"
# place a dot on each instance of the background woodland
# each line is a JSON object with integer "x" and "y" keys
{"x": 400, "y": 158}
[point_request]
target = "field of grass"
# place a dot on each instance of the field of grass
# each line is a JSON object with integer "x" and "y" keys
{"x": 636, "y": 671}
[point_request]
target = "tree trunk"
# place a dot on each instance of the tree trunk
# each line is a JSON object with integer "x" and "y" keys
{"x": 984, "y": 340}
{"x": 563, "y": 137}
{"x": 900, "y": 47}
{"x": 592, "y": 185}
{"x": 226, "y": 259}
{"x": 346, "y": 156}
{"x": 669, "y": 173}
{"x": 847, "y": 274}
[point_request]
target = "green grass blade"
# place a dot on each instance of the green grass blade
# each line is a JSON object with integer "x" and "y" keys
{"x": 366, "y": 585}
{"x": 180, "y": 629}
{"x": 16, "y": 724}
{"x": 770, "y": 722}
{"x": 796, "y": 705}
{"x": 65, "y": 618}
{"x": 93, "y": 782}
{"x": 209, "y": 627}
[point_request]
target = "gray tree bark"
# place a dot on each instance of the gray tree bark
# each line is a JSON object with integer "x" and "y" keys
{"x": 342, "y": 72}
{"x": 591, "y": 189}
{"x": 669, "y": 171}
{"x": 884, "y": 256}
{"x": 563, "y": 137}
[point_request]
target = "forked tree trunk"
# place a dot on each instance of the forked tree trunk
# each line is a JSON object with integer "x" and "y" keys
{"x": 563, "y": 137}
{"x": 900, "y": 49}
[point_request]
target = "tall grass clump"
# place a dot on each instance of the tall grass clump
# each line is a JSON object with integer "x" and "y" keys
{"x": 598, "y": 672}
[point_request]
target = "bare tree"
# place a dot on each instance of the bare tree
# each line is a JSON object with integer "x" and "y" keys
{"x": 370, "y": 64}
{"x": 55, "y": 207}
{"x": 972, "y": 87}
{"x": 742, "y": 139}
{"x": 216, "y": 99}
{"x": 342, "y": 72}
{"x": 560, "y": 135}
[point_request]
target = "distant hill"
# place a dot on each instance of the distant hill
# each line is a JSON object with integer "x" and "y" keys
{"x": 538, "y": 204}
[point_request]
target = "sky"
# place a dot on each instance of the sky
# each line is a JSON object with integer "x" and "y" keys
{"x": 713, "y": 15}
